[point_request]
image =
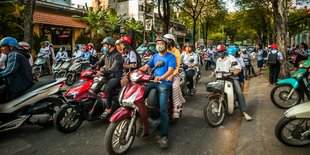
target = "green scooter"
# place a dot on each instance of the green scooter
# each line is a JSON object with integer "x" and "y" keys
{"x": 290, "y": 91}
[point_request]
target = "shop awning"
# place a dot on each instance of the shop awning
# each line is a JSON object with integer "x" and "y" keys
{"x": 51, "y": 18}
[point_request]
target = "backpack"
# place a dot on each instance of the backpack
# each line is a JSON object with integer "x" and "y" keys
{"x": 272, "y": 58}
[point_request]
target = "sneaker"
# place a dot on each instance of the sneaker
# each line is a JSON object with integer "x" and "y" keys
{"x": 164, "y": 142}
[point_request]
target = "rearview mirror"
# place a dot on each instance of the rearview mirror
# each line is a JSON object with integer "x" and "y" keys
{"x": 234, "y": 63}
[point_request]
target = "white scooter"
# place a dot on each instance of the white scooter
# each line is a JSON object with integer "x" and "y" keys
{"x": 222, "y": 98}
{"x": 37, "y": 105}
{"x": 294, "y": 128}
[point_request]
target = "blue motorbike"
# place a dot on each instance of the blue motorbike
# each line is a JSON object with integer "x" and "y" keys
{"x": 290, "y": 91}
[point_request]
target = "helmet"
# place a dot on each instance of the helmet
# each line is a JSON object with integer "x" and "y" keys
{"x": 232, "y": 50}
{"x": 9, "y": 41}
{"x": 117, "y": 42}
{"x": 220, "y": 48}
{"x": 85, "y": 48}
{"x": 170, "y": 36}
{"x": 23, "y": 45}
{"x": 273, "y": 46}
{"x": 161, "y": 38}
{"x": 90, "y": 44}
{"x": 189, "y": 44}
{"x": 108, "y": 40}
{"x": 125, "y": 39}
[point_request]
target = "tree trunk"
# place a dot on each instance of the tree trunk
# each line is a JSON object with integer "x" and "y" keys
{"x": 194, "y": 32}
{"x": 28, "y": 18}
{"x": 280, "y": 24}
{"x": 165, "y": 16}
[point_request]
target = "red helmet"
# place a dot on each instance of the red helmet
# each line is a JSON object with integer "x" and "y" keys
{"x": 90, "y": 44}
{"x": 274, "y": 46}
{"x": 220, "y": 48}
{"x": 85, "y": 48}
{"x": 126, "y": 39}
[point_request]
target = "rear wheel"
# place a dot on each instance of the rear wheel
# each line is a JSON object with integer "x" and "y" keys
{"x": 68, "y": 119}
{"x": 213, "y": 115}
{"x": 115, "y": 141}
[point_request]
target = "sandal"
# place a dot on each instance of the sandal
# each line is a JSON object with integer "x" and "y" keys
{"x": 247, "y": 117}
{"x": 176, "y": 113}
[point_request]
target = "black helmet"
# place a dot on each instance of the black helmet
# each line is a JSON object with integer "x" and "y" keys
{"x": 189, "y": 44}
{"x": 108, "y": 40}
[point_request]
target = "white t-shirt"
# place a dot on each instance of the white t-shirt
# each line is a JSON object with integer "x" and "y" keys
{"x": 2, "y": 60}
{"x": 225, "y": 64}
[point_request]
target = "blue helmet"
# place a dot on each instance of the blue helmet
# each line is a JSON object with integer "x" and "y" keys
{"x": 232, "y": 50}
{"x": 9, "y": 41}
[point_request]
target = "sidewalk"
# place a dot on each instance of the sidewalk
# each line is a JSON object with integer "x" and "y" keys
{"x": 257, "y": 137}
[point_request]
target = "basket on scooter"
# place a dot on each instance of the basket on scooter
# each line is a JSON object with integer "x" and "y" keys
{"x": 215, "y": 86}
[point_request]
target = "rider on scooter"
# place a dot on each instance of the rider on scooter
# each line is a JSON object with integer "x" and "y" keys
{"x": 18, "y": 72}
{"x": 186, "y": 58}
{"x": 163, "y": 87}
{"x": 112, "y": 72}
{"x": 223, "y": 63}
{"x": 61, "y": 54}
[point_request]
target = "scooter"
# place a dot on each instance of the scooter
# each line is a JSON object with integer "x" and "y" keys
{"x": 64, "y": 69}
{"x": 81, "y": 105}
{"x": 39, "y": 67}
{"x": 222, "y": 99}
{"x": 75, "y": 70}
{"x": 37, "y": 105}
{"x": 290, "y": 91}
{"x": 56, "y": 68}
{"x": 294, "y": 128}
{"x": 138, "y": 116}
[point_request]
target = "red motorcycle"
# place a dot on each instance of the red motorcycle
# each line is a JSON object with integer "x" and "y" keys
{"x": 138, "y": 116}
{"x": 81, "y": 105}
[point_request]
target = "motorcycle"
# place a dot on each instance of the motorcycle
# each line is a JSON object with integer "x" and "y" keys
{"x": 290, "y": 91}
{"x": 56, "y": 68}
{"x": 39, "y": 67}
{"x": 75, "y": 70}
{"x": 247, "y": 68}
{"x": 37, "y": 105}
{"x": 222, "y": 98}
{"x": 81, "y": 105}
{"x": 294, "y": 128}
{"x": 138, "y": 116}
{"x": 64, "y": 69}
{"x": 184, "y": 83}
{"x": 209, "y": 64}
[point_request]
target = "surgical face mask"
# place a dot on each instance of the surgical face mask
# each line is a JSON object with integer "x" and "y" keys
{"x": 160, "y": 48}
{"x": 221, "y": 54}
{"x": 104, "y": 50}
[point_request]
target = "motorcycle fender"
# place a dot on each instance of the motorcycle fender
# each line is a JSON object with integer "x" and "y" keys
{"x": 120, "y": 114}
{"x": 212, "y": 96}
{"x": 229, "y": 90}
{"x": 291, "y": 81}
{"x": 299, "y": 111}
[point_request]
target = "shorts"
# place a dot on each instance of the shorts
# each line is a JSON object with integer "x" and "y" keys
{"x": 260, "y": 63}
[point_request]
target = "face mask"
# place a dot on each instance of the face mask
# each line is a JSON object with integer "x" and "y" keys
{"x": 160, "y": 48}
{"x": 221, "y": 54}
{"x": 105, "y": 50}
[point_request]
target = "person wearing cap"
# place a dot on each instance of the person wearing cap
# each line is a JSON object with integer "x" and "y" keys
{"x": 45, "y": 53}
{"x": 274, "y": 70}
{"x": 177, "y": 97}
{"x": 17, "y": 74}
{"x": 112, "y": 69}
{"x": 93, "y": 53}
{"x": 224, "y": 63}
{"x": 161, "y": 74}
{"x": 24, "y": 48}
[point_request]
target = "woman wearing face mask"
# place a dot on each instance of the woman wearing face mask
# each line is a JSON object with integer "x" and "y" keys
{"x": 61, "y": 54}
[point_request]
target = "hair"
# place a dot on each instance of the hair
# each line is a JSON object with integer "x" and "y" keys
{"x": 237, "y": 55}
{"x": 304, "y": 45}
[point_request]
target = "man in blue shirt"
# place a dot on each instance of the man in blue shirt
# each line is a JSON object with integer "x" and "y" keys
{"x": 163, "y": 87}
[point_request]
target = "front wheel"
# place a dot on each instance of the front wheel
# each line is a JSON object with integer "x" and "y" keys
{"x": 68, "y": 119}
{"x": 279, "y": 96}
{"x": 214, "y": 112}
{"x": 70, "y": 79}
{"x": 293, "y": 131}
{"x": 115, "y": 141}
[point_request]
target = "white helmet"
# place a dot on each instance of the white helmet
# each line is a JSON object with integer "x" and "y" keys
{"x": 170, "y": 36}
{"x": 23, "y": 45}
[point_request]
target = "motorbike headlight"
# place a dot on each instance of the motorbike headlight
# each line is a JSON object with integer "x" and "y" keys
{"x": 130, "y": 100}
{"x": 134, "y": 77}
{"x": 301, "y": 65}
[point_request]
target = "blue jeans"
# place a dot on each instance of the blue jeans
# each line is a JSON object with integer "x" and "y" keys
{"x": 164, "y": 92}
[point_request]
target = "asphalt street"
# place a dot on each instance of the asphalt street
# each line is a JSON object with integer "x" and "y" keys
{"x": 190, "y": 135}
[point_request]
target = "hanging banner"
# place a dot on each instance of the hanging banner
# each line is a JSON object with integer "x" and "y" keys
{"x": 148, "y": 24}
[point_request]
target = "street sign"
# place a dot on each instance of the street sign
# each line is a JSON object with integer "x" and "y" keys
{"x": 148, "y": 24}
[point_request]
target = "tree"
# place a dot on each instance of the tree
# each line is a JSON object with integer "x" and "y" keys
{"x": 28, "y": 19}
{"x": 163, "y": 7}
{"x": 193, "y": 8}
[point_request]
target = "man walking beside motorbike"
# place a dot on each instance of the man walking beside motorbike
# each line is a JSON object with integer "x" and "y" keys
{"x": 161, "y": 84}
{"x": 224, "y": 63}
{"x": 17, "y": 74}
{"x": 190, "y": 60}
{"x": 112, "y": 73}
{"x": 177, "y": 96}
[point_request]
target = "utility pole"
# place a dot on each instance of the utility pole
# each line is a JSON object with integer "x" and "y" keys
{"x": 144, "y": 20}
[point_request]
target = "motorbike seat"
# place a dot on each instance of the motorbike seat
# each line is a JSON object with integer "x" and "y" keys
{"x": 39, "y": 84}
